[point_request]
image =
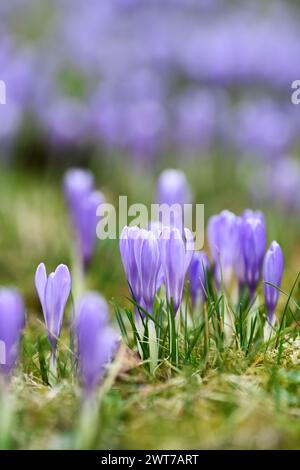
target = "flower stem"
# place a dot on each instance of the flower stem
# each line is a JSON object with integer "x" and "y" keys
{"x": 53, "y": 368}
{"x": 153, "y": 347}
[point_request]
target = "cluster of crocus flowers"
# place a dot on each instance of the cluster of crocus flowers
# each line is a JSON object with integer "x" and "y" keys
{"x": 150, "y": 256}
{"x": 83, "y": 201}
{"x": 238, "y": 246}
{"x": 12, "y": 322}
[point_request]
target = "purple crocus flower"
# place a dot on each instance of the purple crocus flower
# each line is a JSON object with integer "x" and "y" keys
{"x": 141, "y": 259}
{"x": 173, "y": 190}
{"x": 222, "y": 234}
{"x": 239, "y": 264}
{"x": 12, "y": 321}
{"x": 83, "y": 202}
{"x": 197, "y": 275}
{"x": 53, "y": 292}
{"x": 96, "y": 341}
{"x": 272, "y": 273}
{"x": 77, "y": 185}
{"x": 148, "y": 262}
{"x": 176, "y": 255}
{"x": 128, "y": 238}
{"x": 253, "y": 242}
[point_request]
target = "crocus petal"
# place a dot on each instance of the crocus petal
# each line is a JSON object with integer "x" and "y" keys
{"x": 175, "y": 261}
{"x": 272, "y": 273}
{"x": 149, "y": 266}
{"x": 190, "y": 247}
{"x": 40, "y": 283}
{"x": 223, "y": 236}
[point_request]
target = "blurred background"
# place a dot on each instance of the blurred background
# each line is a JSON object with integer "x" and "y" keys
{"x": 129, "y": 87}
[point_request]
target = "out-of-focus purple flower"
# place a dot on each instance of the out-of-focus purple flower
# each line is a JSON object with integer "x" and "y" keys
{"x": 78, "y": 184}
{"x": 265, "y": 129}
{"x": 83, "y": 202}
{"x": 65, "y": 121}
{"x": 12, "y": 321}
{"x": 253, "y": 233}
{"x": 272, "y": 273}
{"x": 197, "y": 275}
{"x": 141, "y": 259}
{"x": 53, "y": 292}
{"x": 176, "y": 255}
{"x": 222, "y": 234}
{"x": 97, "y": 342}
{"x": 173, "y": 190}
{"x": 196, "y": 113}
{"x": 87, "y": 224}
{"x": 285, "y": 177}
{"x": 251, "y": 214}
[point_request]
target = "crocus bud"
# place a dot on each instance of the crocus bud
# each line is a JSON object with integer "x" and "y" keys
{"x": 239, "y": 264}
{"x": 12, "y": 321}
{"x": 141, "y": 259}
{"x": 87, "y": 224}
{"x": 148, "y": 262}
{"x": 173, "y": 190}
{"x": 251, "y": 214}
{"x": 77, "y": 185}
{"x": 253, "y": 248}
{"x": 176, "y": 255}
{"x": 53, "y": 292}
{"x": 97, "y": 342}
{"x": 222, "y": 234}
{"x": 198, "y": 276}
{"x": 127, "y": 249}
{"x": 83, "y": 202}
{"x": 272, "y": 273}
